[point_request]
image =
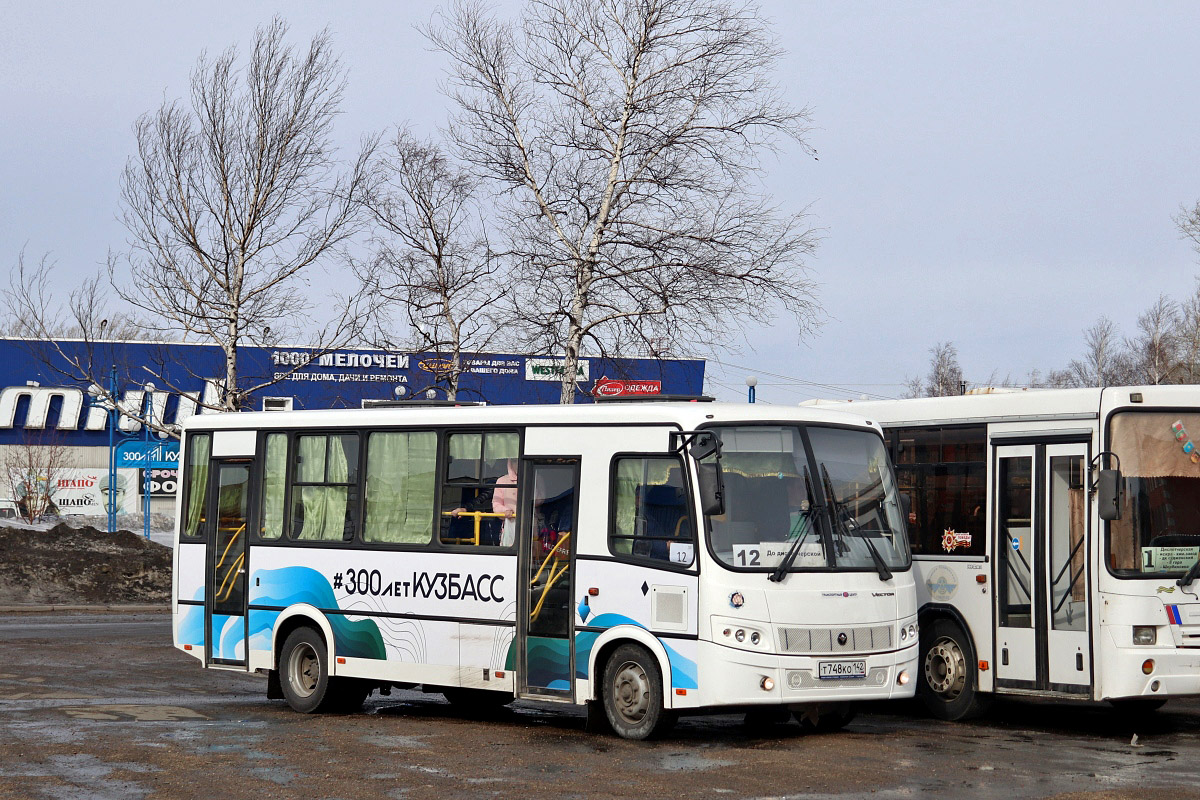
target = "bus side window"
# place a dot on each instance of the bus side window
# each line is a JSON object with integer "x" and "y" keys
{"x": 650, "y": 510}
{"x": 478, "y": 507}
{"x": 325, "y": 488}
{"x": 943, "y": 470}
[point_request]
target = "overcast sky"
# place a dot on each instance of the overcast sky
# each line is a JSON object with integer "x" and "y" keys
{"x": 995, "y": 175}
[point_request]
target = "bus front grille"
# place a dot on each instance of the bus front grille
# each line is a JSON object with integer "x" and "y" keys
{"x": 807, "y": 679}
{"x": 830, "y": 640}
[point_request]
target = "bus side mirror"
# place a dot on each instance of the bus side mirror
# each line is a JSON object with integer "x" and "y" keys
{"x": 1109, "y": 487}
{"x": 712, "y": 488}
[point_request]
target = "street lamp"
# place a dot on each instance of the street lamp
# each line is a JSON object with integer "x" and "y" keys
{"x": 751, "y": 382}
{"x": 107, "y": 400}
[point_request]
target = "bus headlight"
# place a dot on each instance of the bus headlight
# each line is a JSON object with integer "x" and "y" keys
{"x": 1145, "y": 634}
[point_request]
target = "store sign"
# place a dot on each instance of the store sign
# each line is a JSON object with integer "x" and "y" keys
{"x": 552, "y": 369}
{"x": 152, "y": 455}
{"x": 163, "y": 482}
{"x": 86, "y": 491}
{"x": 607, "y": 387}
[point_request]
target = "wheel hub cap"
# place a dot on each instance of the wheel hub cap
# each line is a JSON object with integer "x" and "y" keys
{"x": 946, "y": 668}
{"x": 631, "y": 692}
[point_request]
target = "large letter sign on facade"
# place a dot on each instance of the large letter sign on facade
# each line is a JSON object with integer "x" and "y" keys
{"x": 35, "y": 395}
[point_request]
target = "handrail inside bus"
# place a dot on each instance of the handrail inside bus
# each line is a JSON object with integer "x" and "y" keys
{"x": 478, "y": 515}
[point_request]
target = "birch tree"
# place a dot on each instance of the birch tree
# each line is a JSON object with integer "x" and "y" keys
{"x": 232, "y": 199}
{"x": 945, "y": 377}
{"x": 431, "y": 257}
{"x": 624, "y": 139}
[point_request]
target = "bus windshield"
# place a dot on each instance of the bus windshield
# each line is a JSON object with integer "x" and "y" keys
{"x": 1159, "y": 457}
{"x": 837, "y": 503}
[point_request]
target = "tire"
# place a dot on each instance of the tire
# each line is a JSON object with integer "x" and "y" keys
{"x": 304, "y": 674}
{"x": 826, "y": 719}
{"x": 948, "y": 678}
{"x": 633, "y": 694}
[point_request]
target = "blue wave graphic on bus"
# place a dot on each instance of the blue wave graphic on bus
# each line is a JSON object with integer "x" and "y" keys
{"x": 291, "y": 585}
{"x": 262, "y": 629}
{"x": 191, "y": 625}
{"x": 683, "y": 669}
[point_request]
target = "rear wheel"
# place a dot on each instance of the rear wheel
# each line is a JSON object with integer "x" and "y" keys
{"x": 304, "y": 672}
{"x": 633, "y": 694}
{"x": 948, "y": 679}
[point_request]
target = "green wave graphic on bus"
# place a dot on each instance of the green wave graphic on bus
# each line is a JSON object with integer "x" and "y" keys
{"x": 288, "y": 586}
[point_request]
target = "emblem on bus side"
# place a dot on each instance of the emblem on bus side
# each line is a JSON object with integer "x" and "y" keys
{"x": 941, "y": 584}
{"x": 736, "y": 600}
{"x": 952, "y": 540}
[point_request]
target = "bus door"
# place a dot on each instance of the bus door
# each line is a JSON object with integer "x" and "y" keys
{"x": 1040, "y": 568}
{"x": 546, "y": 541}
{"x": 227, "y": 517}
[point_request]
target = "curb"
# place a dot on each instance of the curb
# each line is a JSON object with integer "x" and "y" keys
{"x": 112, "y": 609}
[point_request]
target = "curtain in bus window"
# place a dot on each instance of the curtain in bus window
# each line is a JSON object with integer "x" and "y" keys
{"x": 199, "y": 448}
{"x": 625, "y": 485}
{"x": 464, "y": 450}
{"x": 400, "y": 487}
{"x": 324, "y": 507}
{"x": 274, "y": 483}
{"x": 1155, "y": 445}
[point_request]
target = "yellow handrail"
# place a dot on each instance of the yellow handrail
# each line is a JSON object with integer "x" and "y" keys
{"x": 478, "y": 515}
{"x": 555, "y": 572}
{"x": 228, "y": 575}
{"x": 232, "y": 539}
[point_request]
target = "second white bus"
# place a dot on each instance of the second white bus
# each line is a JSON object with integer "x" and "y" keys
{"x": 1056, "y": 536}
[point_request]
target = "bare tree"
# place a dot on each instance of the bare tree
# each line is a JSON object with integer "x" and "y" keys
{"x": 230, "y": 201}
{"x": 1105, "y": 361}
{"x": 432, "y": 258}
{"x": 1187, "y": 339}
{"x": 624, "y": 137}
{"x": 945, "y": 377}
{"x": 1153, "y": 352}
{"x": 32, "y": 469}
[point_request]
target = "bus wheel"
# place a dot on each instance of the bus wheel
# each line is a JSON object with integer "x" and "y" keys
{"x": 947, "y": 681}
{"x": 633, "y": 694}
{"x": 304, "y": 673}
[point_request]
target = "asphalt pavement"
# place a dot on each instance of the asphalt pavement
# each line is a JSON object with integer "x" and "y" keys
{"x": 101, "y": 706}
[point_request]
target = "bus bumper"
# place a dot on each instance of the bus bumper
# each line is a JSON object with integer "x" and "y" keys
{"x": 737, "y": 677}
{"x": 1175, "y": 673}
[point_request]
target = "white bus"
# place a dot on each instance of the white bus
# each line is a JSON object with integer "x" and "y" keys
{"x": 1055, "y": 535}
{"x": 548, "y": 552}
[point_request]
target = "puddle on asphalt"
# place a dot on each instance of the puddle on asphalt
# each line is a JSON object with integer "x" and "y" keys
{"x": 690, "y": 762}
{"x": 83, "y": 776}
{"x": 137, "y": 713}
{"x": 277, "y": 776}
{"x": 397, "y": 742}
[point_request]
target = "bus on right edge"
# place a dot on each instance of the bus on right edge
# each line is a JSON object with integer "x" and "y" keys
{"x": 1055, "y": 538}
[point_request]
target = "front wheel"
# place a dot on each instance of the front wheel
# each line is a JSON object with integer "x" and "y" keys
{"x": 948, "y": 681}
{"x": 633, "y": 694}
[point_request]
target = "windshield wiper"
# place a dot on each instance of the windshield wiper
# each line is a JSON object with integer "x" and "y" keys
{"x": 805, "y": 519}
{"x": 847, "y": 526}
{"x": 1189, "y": 576}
